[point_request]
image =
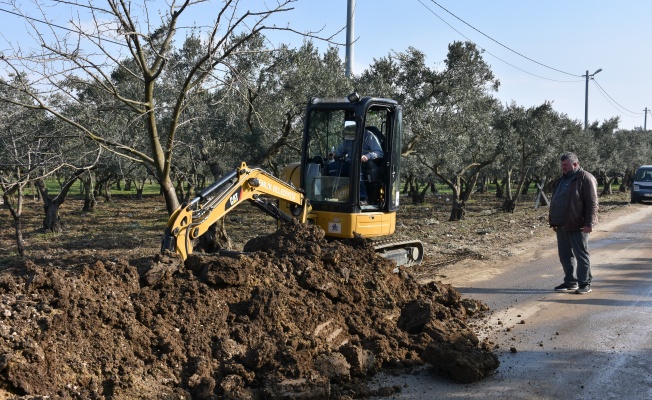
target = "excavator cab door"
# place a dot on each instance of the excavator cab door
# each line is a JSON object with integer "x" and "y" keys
{"x": 393, "y": 160}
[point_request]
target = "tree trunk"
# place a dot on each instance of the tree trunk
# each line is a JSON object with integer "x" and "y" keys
{"x": 202, "y": 183}
{"x": 509, "y": 205}
{"x": 107, "y": 192}
{"x": 457, "y": 212}
{"x": 190, "y": 191}
{"x": 89, "y": 203}
{"x": 607, "y": 186}
{"x": 526, "y": 187}
{"x": 171, "y": 199}
{"x": 140, "y": 187}
{"x": 179, "y": 190}
{"x": 16, "y": 213}
{"x": 418, "y": 195}
{"x": 20, "y": 243}
{"x": 600, "y": 177}
{"x": 52, "y": 221}
{"x": 508, "y": 184}
{"x": 499, "y": 189}
{"x": 408, "y": 184}
{"x": 482, "y": 187}
{"x": 625, "y": 181}
{"x": 89, "y": 196}
{"x": 215, "y": 238}
{"x": 470, "y": 186}
{"x": 36, "y": 195}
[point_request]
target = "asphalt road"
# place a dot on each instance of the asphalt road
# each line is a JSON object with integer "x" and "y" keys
{"x": 561, "y": 345}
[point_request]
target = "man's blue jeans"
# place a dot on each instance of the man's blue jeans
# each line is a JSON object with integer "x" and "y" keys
{"x": 573, "y": 248}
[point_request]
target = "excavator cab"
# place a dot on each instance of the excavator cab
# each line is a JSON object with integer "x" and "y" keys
{"x": 350, "y": 195}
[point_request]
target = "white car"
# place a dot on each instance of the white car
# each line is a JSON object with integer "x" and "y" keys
{"x": 642, "y": 186}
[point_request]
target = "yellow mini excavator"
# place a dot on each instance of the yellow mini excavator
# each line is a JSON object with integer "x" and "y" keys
{"x": 347, "y": 181}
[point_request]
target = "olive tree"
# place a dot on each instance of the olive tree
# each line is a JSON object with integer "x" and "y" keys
{"x": 612, "y": 152}
{"x": 452, "y": 116}
{"x": 527, "y": 139}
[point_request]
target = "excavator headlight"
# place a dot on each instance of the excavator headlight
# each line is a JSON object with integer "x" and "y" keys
{"x": 296, "y": 210}
{"x": 353, "y": 97}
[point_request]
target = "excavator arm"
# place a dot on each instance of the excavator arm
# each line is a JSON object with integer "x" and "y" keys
{"x": 193, "y": 219}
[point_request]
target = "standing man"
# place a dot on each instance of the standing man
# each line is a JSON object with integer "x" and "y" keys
{"x": 573, "y": 214}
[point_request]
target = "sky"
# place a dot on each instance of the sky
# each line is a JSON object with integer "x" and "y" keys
{"x": 539, "y": 50}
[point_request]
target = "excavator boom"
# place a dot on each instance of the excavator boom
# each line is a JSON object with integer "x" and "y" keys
{"x": 193, "y": 219}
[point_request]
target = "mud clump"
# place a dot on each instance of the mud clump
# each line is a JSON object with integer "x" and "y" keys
{"x": 297, "y": 317}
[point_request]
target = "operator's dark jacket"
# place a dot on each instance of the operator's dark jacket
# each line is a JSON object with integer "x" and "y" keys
{"x": 581, "y": 201}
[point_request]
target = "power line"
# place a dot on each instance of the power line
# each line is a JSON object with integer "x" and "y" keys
{"x": 613, "y": 102}
{"x": 495, "y": 41}
{"x": 487, "y": 51}
{"x": 603, "y": 92}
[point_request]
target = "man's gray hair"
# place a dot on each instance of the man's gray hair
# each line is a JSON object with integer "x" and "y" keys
{"x": 570, "y": 156}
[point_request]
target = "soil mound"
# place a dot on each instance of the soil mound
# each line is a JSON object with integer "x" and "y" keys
{"x": 297, "y": 317}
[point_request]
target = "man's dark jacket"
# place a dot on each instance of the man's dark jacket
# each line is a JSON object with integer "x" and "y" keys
{"x": 581, "y": 201}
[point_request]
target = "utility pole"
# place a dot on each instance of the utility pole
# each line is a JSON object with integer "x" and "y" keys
{"x": 350, "y": 20}
{"x": 645, "y": 120}
{"x": 586, "y": 97}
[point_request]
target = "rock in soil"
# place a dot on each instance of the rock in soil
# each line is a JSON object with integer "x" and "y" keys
{"x": 298, "y": 317}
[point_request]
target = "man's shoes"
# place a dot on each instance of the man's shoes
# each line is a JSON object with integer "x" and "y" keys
{"x": 564, "y": 287}
{"x": 584, "y": 289}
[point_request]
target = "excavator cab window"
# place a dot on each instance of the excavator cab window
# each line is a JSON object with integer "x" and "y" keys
{"x": 331, "y": 142}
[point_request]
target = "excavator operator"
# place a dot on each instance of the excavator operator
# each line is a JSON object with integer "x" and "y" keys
{"x": 341, "y": 157}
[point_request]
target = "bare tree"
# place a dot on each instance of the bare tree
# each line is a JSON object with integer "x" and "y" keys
{"x": 31, "y": 149}
{"x": 23, "y": 144}
{"x": 133, "y": 41}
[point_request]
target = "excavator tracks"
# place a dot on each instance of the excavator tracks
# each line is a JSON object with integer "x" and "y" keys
{"x": 403, "y": 252}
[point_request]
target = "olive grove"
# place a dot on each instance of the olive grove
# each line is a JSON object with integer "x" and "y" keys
{"x": 132, "y": 98}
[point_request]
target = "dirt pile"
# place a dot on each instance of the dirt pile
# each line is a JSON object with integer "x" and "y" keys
{"x": 298, "y": 317}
